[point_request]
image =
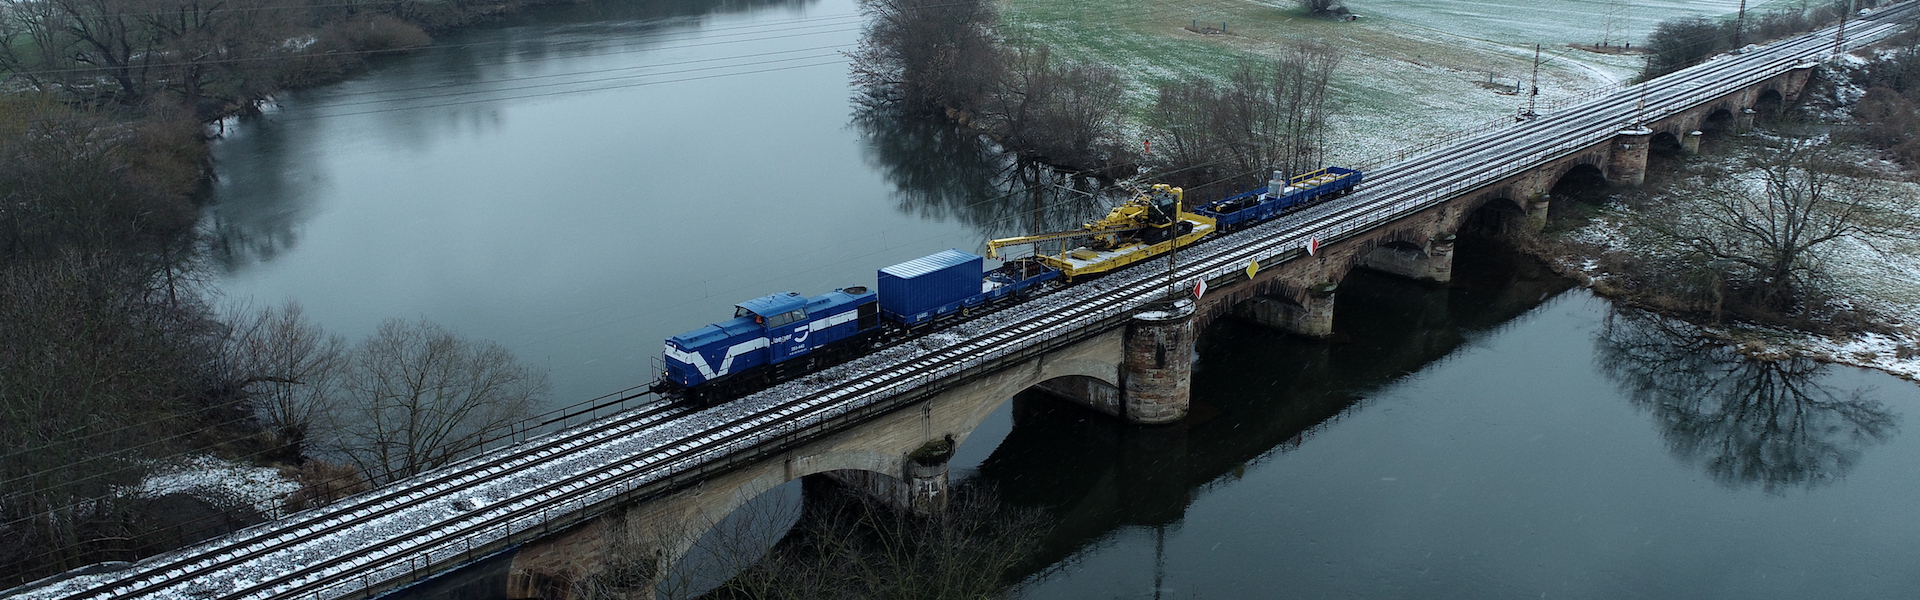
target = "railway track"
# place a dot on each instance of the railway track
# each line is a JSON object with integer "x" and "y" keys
{"x": 372, "y": 540}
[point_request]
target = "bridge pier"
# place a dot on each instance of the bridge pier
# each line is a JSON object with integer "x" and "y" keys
{"x": 1691, "y": 142}
{"x": 1313, "y": 319}
{"x": 1537, "y": 208}
{"x": 922, "y": 487}
{"x": 1156, "y": 373}
{"x": 1439, "y": 259}
{"x": 1744, "y": 122}
{"x": 1627, "y": 162}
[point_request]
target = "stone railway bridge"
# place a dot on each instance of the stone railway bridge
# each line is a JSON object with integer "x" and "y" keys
{"x": 649, "y": 483}
{"x": 1135, "y": 369}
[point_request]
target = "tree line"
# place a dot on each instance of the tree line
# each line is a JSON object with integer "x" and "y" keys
{"x": 948, "y": 59}
{"x": 208, "y": 57}
{"x": 1680, "y": 43}
{"x": 113, "y": 358}
{"x": 1888, "y": 113}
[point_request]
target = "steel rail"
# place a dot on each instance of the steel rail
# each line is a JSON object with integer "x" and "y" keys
{"x": 1332, "y": 221}
{"x": 1139, "y": 291}
{"x": 359, "y": 508}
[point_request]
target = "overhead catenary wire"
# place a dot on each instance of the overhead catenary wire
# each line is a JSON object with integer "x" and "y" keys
{"x": 699, "y": 33}
{"x": 409, "y": 556}
{"x": 237, "y": 403}
{"x": 1009, "y": 194}
{"x": 522, "y": 428}
{"x": 753, "y": 29}
{"x": 843, "y": 48}
{"x": 815, "y": 268}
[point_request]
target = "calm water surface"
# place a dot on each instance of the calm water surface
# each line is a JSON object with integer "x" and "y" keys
{"x": 547, "y": 184}
{"x": 1501, "y": 438}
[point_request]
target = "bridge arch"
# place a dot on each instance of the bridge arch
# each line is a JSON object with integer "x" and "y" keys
{"x": 1580, "y": 182}
{"x": 1718, "y": 120}
{"x": 1103, "y": 371}
{"x": 1665, "y": 144}
{"x": 1495, "y": 216}
{"x": 1769, "y": 103}
{"x": 1403, "y": 253}
{"x": 704, "y": 515}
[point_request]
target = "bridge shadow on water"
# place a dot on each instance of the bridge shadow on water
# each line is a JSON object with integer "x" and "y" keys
{"x": 1255, "y": 392}
{"x": 1749, "y": 424}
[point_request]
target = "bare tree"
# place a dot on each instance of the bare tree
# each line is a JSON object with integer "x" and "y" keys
{"x": 72, "y": 180}
{"x": 851, "y": 547}
{"x": 929, "y": 54}
{"x": 1761, "y": 231}
{"x": 288, "y": 369}
{"x": 416, "y": 397}
{"x": 1265, "y": 117}
{"x": 1055, "y": 112}
{"x": 99, "y": 373}
{"x": 1332, "y": 8}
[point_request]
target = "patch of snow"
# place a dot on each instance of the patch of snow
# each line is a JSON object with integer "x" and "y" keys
{"x": 219, "y": 481}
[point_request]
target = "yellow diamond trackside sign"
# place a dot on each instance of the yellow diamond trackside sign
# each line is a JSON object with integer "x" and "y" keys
{"x": 1253, "y": 266}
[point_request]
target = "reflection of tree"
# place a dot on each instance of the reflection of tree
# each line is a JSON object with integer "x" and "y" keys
{"x": 267, "y": 180}
{"x": 944, "y": 171}
{"x": 1748, "y": 421}
{"x": 262, "y": 196}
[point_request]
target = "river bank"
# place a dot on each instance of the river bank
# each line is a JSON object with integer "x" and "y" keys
{"x": 1878, "y": 283}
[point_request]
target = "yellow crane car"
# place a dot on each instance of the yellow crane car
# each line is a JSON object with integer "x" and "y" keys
{"x": 1151, "y": 224}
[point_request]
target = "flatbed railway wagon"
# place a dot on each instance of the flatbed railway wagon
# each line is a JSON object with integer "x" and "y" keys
{"x": 1282, "y": 194}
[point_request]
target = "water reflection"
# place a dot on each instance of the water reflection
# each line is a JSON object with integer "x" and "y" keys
{"x": 1748, "y": 422}
{"x": 1257, "y": 394}
{"x": 943, "y": 171}
{"x": 423, "y": 102}
{"x": 278, "y": 191}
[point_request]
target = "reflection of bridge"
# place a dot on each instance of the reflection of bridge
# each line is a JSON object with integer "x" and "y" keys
{"x": 644, "y": 481}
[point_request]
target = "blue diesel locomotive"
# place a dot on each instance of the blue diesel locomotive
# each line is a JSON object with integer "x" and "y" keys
{"x": 780, "y": 336}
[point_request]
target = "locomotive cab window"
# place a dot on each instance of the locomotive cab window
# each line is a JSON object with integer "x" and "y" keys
{"x": 786, "y": 318}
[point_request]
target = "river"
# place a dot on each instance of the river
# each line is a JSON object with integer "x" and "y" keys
{"x": 1502, "y": 438}
{"x": 544, "y": 184}
{"x": 580, "y": 182}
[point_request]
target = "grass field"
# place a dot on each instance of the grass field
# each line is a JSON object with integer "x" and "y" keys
{"x": 1411, "y": 71}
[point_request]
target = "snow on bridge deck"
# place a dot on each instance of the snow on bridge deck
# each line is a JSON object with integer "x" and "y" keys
{"x": 386, "y": 538}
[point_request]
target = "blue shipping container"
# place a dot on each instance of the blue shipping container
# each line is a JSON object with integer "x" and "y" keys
{"x": 910, "y": 291}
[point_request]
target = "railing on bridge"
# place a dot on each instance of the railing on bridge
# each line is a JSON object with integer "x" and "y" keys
{"x": 549, "y": 508}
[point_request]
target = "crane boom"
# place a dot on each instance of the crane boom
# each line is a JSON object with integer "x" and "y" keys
{"x": 994, "y": 246}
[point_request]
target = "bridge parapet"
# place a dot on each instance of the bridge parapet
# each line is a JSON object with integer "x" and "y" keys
{"x": 386, "y": 540}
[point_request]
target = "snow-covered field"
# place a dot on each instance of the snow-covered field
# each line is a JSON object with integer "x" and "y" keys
{"x": 1412, "y": 71}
